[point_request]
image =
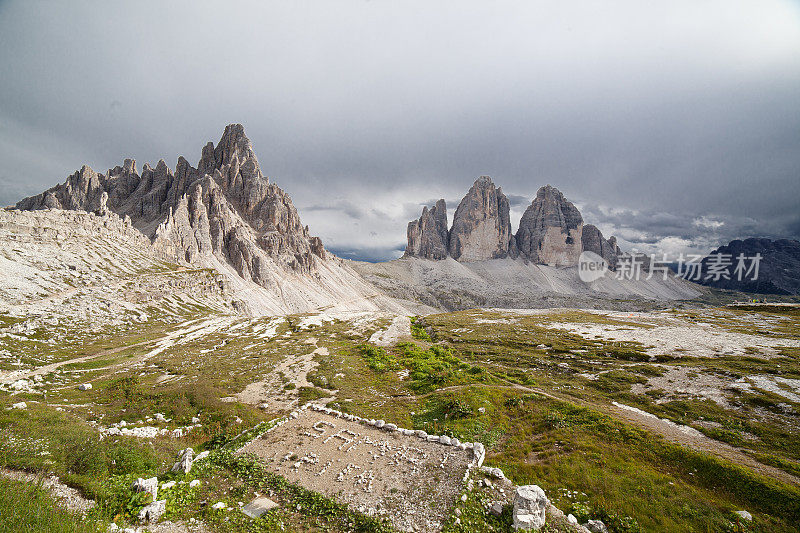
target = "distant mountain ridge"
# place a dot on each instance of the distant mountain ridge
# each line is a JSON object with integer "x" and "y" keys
{"x": 778, "y": 271}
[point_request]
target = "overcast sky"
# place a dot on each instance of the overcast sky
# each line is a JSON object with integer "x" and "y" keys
{"x": 673, "y": 125}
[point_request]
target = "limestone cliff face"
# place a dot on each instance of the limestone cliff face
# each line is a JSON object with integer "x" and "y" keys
{"x": 481, "y": 225}
{"x": 224, "y": 208}
{"x": 427, "y": 237}
{"x": 592, "y": 240}
{"x": 550, "y": 230}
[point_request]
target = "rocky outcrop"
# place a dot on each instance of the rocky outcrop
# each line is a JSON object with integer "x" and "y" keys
{"x": 428, "y": 236}
{"x": 225, "y": 208}
{"x": 530, "y": 507}
{"x": 778, "y": 268}
{"x": 550, "y": 230}
{"x": 592, "y": 241}
{"x": 481, "y": 225}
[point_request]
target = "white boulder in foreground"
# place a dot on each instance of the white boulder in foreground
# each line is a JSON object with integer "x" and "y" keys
{"x": 530, "y": 506}
{"x": 153, "y": 511}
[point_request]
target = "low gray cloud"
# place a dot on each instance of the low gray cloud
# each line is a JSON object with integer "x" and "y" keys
{"x": 366, "y": 111}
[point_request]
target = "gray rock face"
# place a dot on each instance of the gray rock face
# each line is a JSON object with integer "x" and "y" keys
{"x": 778, "y": 271}
{"x": 530, "y": 507}
{"x": 481, "y": 225}
{"x": 153, "y": 511}
{"x": 550, "y": 230}
{"x": 592, "y": 240}
{"x": 428, "y": 236}
{"x": 225, "y": 208}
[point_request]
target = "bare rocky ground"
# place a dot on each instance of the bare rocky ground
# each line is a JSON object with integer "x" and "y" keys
{"x": 400, "y": 476}
{"x": 452, "y": 285}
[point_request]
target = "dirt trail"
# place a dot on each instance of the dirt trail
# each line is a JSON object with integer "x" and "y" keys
{"x": 184, "y": 332}
{"x": 6, "y": 378}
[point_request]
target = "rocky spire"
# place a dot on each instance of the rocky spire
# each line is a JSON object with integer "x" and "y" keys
{"x": 481, "y": 225}
{"x": 592, "y": 240}
{"x": 550, "y": 229}
{"x": 427, "y": 237}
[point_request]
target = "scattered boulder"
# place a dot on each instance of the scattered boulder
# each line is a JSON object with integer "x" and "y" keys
{"x": 596, "y": 526}
{"x": 572, "y": 520}
{"x": 480, "y": 453}
{"x": 153, "y": 511}
{"x": 496, "y": 508}
{"x": 85, "y": 386}
{"x": 20, "y": 405}
{"x": 146, "y": 485}
{"x": 258, "y": 506}
{"x": 744, "y": 515}
{"x": 530, "y": 507}
{"x": 21, "y": 385}
{"x": 184, "y": 463}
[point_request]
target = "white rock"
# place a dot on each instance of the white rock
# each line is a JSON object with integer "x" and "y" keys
{"x": 530, "y": 507}
{"x": 444, "y": 439}
{"x": 152, "y": 512}
{"x": 21, "y": 384}
{"x": 195, "y": 420}
{"x": 201, "y": 456}
{"x": 496, "y": 509}
{"x": 167, "y": 485}
{"x": 146, "y": 485}
{"x": 596, "y": 526}
{"x": 379, "y": 423}
{"x": 85, "y": 386}
{"x": 744, "y": 515}
{"x": 20, "y": 405}
{"x": 572, "y": 520}
{"x": 219, "y": 505}
{"x": 185, "y": 460}
{"x": 480, "y": 453}
{"x": 390, "y": 427}
{"x": 194, "y": 483}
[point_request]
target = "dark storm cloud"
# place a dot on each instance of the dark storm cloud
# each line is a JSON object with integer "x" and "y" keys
{"x": 683, "y": 116}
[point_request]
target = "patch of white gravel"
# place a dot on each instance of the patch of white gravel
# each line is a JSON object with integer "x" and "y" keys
{"x": 67, "y": 497}
{"x": 680, "y": 427}
{"x": 679, "y": 338}
{"x": 399, "y": 329}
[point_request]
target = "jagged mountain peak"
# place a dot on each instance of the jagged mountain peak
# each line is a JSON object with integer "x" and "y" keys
{"x": 225, "y": 208}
